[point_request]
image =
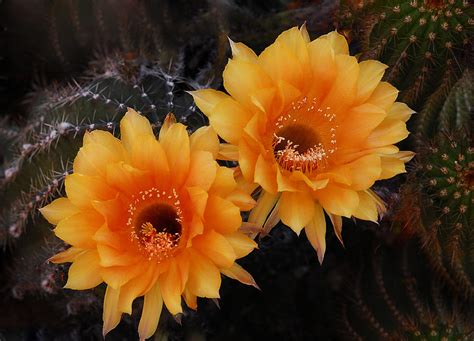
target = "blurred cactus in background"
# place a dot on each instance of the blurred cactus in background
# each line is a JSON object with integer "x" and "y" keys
{"x": 390, "y": 296}
{"x": 426, "y": 44}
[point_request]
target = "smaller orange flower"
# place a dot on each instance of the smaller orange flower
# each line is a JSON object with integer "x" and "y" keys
{"x": 158, "y": 219}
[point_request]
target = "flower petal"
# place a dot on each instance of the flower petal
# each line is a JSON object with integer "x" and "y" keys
{"x": 81, "y": 190}
{"x": 215, "y": 247}
{"x": 101, "y": 149}
{"x": 152, "y": 307}
{"x": 370, "y": 74}
{"x": 242, "y": 52}
{"x": 205, "y": 139}
{"x": 66, "y": 256}
{"x": 265, "y": 203}
{"x": 242, "y": 78}
{"x": 388, "y": 132}
{"x": 204, "y": 277}
{"x": 171, "y": 288}
{"x": 133, "y": 125}
{"x": 337, "y": 41}
{"x": 58, "y": 210}
{"x": 296, "y": 209}
{"x": 222, "y": 215}
{"x": 78, "y": 229}
{"x": 84, "y": 272}
{"x": 207, "y": 100}
{"x": 240, "y": 274}
{"x": 384, "y": 96}
{"x": 338, "y": 200}
{"x": 367, "y": 209}
{"x": 241, "y": 244}
{"x": 399, "y": 111}
{"x": 148, "y": 155}
{"x": 316, "y": 232}
{"x": 111, "y": 315}
{"x": 266, "y": 174}
{"x": 177, "y": 148}
{"x": 229, "y": 120}
{"x": 202, "y": 170}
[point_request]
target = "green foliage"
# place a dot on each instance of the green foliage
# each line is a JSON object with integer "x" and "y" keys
{"x": 424, "y": 43}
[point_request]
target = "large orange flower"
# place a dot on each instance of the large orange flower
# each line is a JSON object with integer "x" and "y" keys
{"x": 158, "y": 219}
{"x": 312, "y": 126}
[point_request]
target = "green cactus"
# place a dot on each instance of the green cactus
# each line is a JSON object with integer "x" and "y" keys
{"x": 437, "y": 200}
{"x": 393, "y": 297}
{"x": 422, "y": 41}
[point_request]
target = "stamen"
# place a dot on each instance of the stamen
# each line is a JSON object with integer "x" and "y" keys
{"x": 305, "y": 137}
{"x": 155, "y": 219}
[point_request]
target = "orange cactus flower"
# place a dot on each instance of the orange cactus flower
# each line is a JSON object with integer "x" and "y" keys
{"x": 153, "y": 218}
{"x": 312, "y": 126}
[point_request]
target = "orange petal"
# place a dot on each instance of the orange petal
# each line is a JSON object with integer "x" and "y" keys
{"x": 169, "y": 121}
{"x": 242, "y": 78}
{"x": 172, "y": 287}
{"x": 133, "y": 125}
{"x": 190, "y": 298}
{"x": 79, "y": 229}
{"x": 111, "y": 315}
{"x": 112, "y": 211}
{"x": 152, "y": 307}
{"x": 338, "y": 200}
{"x": 343, "y": 90}
{"x": 110, "y": 256}
{"x": 148, "y": 155}
{"x": 362, "y": 172}
{"x": 242, "y": 52}
{"x": 82, "y": 190}
{"x": 205, "y": 139}
{"x": 337, "y": 226}
{"x": 222, "y": 215}
{"x": 202, "y": 170}
{"x": 228, "y": 152}
{"x": 265, "y": 203}
{"x": 367, "y": 209}
{"x": 84, "y": 272}
{"x": 127, "y": 179}
{"x": 93, "y": 157}
{"x": 207, "y": 100}
{"x": 281, "y": 63}
{"x": 266, "y": 174}
{"x": 370, "y": 74}
{"x": 58, "y": 210}
{"x": 394, "y": 164}
{"x": 383, "y": 96}
{"x": 204, "y": 277}
{"x": 224, "y": 182}
{"x": 241, "y": 244}
{"x": 116, "y": 276}
{"x": 296, "y": 209}
{"x": 359, "y": 122}
{"x": 399, "y": 111}
{"x": 388, "y": 132}
{"x": 229, "y": 120}
{"x": 177, "y": 148}
{"x": 198, "y": 198}
{"x": 316, "y": 232}
{"x": 337, "y": 42}
{"x": 323, "y": 65}
{"x": 240, "y": 274}
{"x": 66, "y": 256}
{"x": 136, "y": 287}
{"x": 215, "y": 247}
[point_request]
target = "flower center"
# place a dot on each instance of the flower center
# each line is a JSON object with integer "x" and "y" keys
{"x": 156, "y": 223}
{"x": 304, "y": 137}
